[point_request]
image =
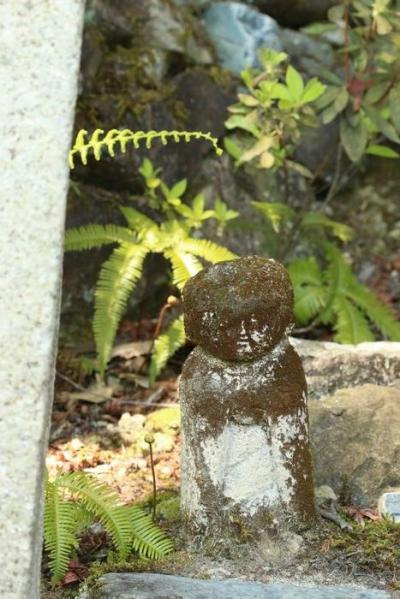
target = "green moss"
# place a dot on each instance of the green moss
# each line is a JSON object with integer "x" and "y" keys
{"x": 169, "y": 510}
{"x": 221, "y": 77}
{"x": 164, "y": 419}
{"x": 374, "y": 547}
{"x": 168, "y": 565}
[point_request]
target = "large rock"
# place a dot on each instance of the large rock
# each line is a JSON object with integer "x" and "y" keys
{"x": 150, "y": 586}
{"x": 160, "y": 24}
{"x": 38, "y": 75}
{"x": 332, "y": 366}
{"x": 238, "y": 33}
{"x": 355, "y": 436}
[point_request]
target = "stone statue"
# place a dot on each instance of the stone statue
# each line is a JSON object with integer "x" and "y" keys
{"x": 245, "y": 456}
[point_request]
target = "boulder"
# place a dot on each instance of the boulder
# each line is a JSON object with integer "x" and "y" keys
{"x": 308, "y": 54}
{"x": 332, "y": 366}
{"x": 238, "y": 32}
{"x": 355, "y": 439}
{"x": 159, "y": 24}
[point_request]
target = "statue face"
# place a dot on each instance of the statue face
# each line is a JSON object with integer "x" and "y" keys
{"x": 239, "y": 309}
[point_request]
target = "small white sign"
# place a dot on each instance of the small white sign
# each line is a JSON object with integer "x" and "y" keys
{"x": 389, "y": 505}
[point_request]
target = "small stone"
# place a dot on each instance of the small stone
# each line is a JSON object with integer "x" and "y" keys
{"x": 389, "y": 504}
{"x": 130, "y": 427}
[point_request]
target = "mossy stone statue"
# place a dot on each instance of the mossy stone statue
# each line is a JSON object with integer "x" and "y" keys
{"x": 245, "y": 455}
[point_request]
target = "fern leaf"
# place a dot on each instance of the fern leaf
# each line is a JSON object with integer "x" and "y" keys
{"x": 103, "y": 503}
{"x": 351, "y": 325}
{"x": 148, "y": 539}
{"x": 100, "y": 141}
{"x": 60, "y": 530}
{"x": 309, "y": 289}
{"x": 309, "y": 301}
{"x": 274, "y": 212}
{"x": 377, "y": 312}
{"x": 137, "y": 220}
{"x": 91, "y": 236}
{"x": 117, "y": 279}
{"x": 305, "y": 271}
{"x": 165, "y": 346}
{"x": 337, "y": 277}
{"x": 210, "y": 251}
{"x": 316, "y": 219}
{"x": 184, "y": 266}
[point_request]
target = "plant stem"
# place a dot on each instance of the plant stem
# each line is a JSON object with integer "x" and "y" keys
{"x": 153, "y": 474}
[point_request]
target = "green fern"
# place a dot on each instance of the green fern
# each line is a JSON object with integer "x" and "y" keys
{"x": 118, "y": 277}
{"x": 60, "y": 530}
{"x": 123, "y": 269}
{"x": 334, "y": 296}
{"x": 165, "y": 346}
{"x": 73, "y": 501}
{"x": 310, "y": 293}
{"x": 100, "y": 501}
{"x": 93, "y": 236}
{"x": 100, "y": 141}
{"x": 148, "y": 539}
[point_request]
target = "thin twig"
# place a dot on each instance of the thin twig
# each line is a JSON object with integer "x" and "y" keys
{"x": 71, "y": 382}
{"x": 132, "y": 402}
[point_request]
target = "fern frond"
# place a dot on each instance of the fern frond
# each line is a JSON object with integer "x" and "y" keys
{"x": 91, "y": 236}
{"x": 148, "y": 539}
{"x": 337, "y": 276}
{"x": 210, "y": 251}
{"x": 309, "y": 289}
{"x": 308, "y": 302}
{"x": 100, "y": 140}
{"x": 305, "y": 271}
{"x": 165, "y": 346}
{"x": 137, "y": 220}
{"x": 60, "y": 530}
{"x": 351, "y": 325}
{"x": 184, "y": 266}
{"x": 117, "y": 279}
{"x": 103, "y": 503}
{"x": 316, "y": 219}
{"x": 274, "y": 212}
{"x": 377, "y": 312}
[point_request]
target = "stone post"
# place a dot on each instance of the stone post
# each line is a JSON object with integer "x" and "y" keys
{"x": 245, "y": 454}
{"x": 40, "y": 49}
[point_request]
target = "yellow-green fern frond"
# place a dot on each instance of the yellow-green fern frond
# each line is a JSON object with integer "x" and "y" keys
{"x": 184, "y": 266}
{"x": 275, "y": 212}
{"x": 165, "y": 346}
{"x": 60, "y": 530}
{"x": 117, "y": 279}
{"x": 148, "y": 539}
{"x": 100, "y": 140}
{"x": 91, "y": 236}
{"x": 137, "y": 220}
{"x": 210, "y": 251}
{"x": 103, "y": 503}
